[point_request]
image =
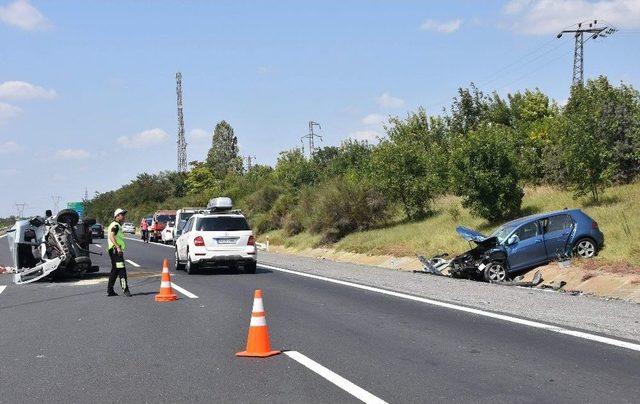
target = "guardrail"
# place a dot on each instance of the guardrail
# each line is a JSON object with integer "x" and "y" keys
{"x": 263, "y": 246}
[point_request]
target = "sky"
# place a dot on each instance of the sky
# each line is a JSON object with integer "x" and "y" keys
{"x": 87, "y": 88}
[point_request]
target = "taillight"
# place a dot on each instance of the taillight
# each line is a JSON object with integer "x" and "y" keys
{"x": 594, "y": 224}
{"x": 198, "y": 241}
{"x": 252, "y": 240}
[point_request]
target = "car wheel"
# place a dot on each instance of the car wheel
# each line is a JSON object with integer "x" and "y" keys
{"x": 495, "y": 272}
{"x": 585, "y": 248}
{"x": 179, "y": 266}
{"x": 250, "y": 267}
{"x": 191, "y": 268}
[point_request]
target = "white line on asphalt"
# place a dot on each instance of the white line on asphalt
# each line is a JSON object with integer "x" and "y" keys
{"x": 183, "y": 291}
{"x": 344, "y": 384}
{"x": 97, "y": 245}
{"x": 2, "y": 288}
{"x": 133, "y": 263}
{"x": 503, "y": 317}
{"x": 3, "y": 235}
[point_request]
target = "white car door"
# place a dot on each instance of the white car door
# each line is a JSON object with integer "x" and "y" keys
{"x": 183, "y": 241}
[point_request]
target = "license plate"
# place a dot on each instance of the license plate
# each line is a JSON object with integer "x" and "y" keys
{"x": 226, "y": 240}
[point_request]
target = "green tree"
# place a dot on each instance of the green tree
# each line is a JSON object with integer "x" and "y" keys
{"x": 294, "y": 170}
{"x": 223, "y": 156}
{"x": 200, "y": 179}
{"x": 484, "y": 172}
{"x": 410, "y": 166}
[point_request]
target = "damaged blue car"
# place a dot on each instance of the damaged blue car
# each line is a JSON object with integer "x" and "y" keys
{"x": 527, "y": 242}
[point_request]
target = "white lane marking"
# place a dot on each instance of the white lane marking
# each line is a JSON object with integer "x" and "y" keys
{"x": 133, "y": 263}
{"x": 503, "y": 317}
{"x": 150, "y": 243}
{"x": 183, "y": 291}
{"x": 356, "y": 391}
{"x": 97, "y": 245}
{"x": 2, "y": 288}
{"x": 3, "y": 235}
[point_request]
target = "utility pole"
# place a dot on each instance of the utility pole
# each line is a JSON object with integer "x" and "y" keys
{"x": 56, "y": 202}
{"x": 311, "y": 136}
{"x": 20, "y": 207}
{"x": 593, "y": 31}
{"x": 250, "y": 160}
{"x": 182, "y": 143}
{"x": 86, "y": 194}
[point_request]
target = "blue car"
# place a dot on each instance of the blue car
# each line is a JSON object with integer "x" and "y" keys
{"x": 528, "y": 242}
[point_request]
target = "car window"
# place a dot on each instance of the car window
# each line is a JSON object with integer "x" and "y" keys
{"x": 223, "y": 223}
{"x": 528, "y": 230}
{"x": 187, "y": 227}
{"x": 560, "y": 222}
{"x": 165, "y": 218}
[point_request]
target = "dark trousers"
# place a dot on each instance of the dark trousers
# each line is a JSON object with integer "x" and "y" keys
{"x": 117, "y": 269}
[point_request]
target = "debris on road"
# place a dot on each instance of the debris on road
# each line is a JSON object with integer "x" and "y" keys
{"x": 7, "y": 270}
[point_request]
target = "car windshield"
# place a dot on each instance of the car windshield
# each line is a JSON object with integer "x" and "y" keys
{"x": 96, "y": 226}
{"x": 502, "y": 232}
{"x": 222, "y": 223}
{"x": 185, "y": 216}
{"x": 165, "y": 218}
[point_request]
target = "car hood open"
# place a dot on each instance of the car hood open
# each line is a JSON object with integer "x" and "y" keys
{"x": 470, "y": 235}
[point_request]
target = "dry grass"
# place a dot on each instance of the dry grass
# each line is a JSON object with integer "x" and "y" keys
{"x": 618, "y": 216}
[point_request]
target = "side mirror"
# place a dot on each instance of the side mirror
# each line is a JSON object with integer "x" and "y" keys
{"x": 513, "y": 240}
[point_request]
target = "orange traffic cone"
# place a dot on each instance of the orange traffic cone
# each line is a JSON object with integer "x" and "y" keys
{"x": 166, "y": 292}
{"x": 258, "y": 339}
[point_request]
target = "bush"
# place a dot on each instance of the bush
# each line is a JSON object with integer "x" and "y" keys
{"x": 261, "y": 223}
{"x": 484, "y": 172}
{"x": 343, "y": 205}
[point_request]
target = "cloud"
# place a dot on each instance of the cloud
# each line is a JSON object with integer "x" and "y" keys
{"x": 8, "y": 111}
{"x": 21, "y": 90}
{"x": 198, "y": 134}
{"x": 443, "y": 27}
{"x": 143, "y": 139}
{"x": 368, "y": 135}
{"x": 373, "y": 120}
{"x": 388, "y": 101}
{"x": 10, "y": 147}
{"x": 8, "y": 172}
{"x": 543, "y": 17}
{"x": 23, "y": 15}
{"x": 72, "y": 154}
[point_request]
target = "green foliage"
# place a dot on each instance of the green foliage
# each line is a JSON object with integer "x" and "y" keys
{"x": 294, "y": 170}
{"x": 344, "y": 205}
{"x": 223, "y": 157}
{"x": 484, "y": 150}
{"x": 484, "y": 172}
{"x": 410, "y": 166}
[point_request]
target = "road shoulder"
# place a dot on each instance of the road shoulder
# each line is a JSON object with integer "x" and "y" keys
{"x": 610, "y": 317}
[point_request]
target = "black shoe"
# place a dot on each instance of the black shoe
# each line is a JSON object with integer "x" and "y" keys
{"x": 127, "y": 293}
{"x": 111, "y": 293}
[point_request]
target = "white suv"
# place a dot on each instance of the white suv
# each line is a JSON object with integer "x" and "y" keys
{"x": 216, "y": 238}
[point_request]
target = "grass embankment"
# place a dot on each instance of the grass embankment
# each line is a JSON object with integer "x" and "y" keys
{"x": 618, "y": 215}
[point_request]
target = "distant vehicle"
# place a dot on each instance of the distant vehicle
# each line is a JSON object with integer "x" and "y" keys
{"x": 528, "y": 242}
{"x": 97, "y": 230}
{"x": 128, "y": 227}
{"x": 182, "y": 215}
{"x": 219, "y": 236}
{"x": 167, "y": 233}
{"x": 158, "y": 223}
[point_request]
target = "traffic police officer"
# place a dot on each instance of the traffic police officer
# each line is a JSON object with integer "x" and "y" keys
{"x": 116, "y": 253}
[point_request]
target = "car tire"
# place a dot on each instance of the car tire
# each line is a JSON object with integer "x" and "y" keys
{"x": 179, "y": 266}
{"x": 190, "y": 268}
{"x": 585, "y": 248}
{"x": 250, "y": 267}
{"x": 495, "y": 272}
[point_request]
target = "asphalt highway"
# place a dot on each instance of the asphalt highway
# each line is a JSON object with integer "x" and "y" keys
{"x": 68, "y": 342}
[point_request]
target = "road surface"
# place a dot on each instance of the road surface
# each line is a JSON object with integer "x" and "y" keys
{"x": 68, "y": 342}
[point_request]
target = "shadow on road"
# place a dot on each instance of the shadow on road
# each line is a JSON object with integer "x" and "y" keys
{"x": 230, "y": 271}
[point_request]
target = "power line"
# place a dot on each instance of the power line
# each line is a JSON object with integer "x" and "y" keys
{"x": 311, "y": 137}
{"x": 20, "y": 208}
{"x": 593, "y": 31}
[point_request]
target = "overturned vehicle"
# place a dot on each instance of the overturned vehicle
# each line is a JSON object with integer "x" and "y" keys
{"x": 520, "y": 245}
{"x": 55, "y": 246}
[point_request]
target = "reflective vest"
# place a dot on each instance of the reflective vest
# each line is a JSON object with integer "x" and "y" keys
{"x": 119, "y": 236}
